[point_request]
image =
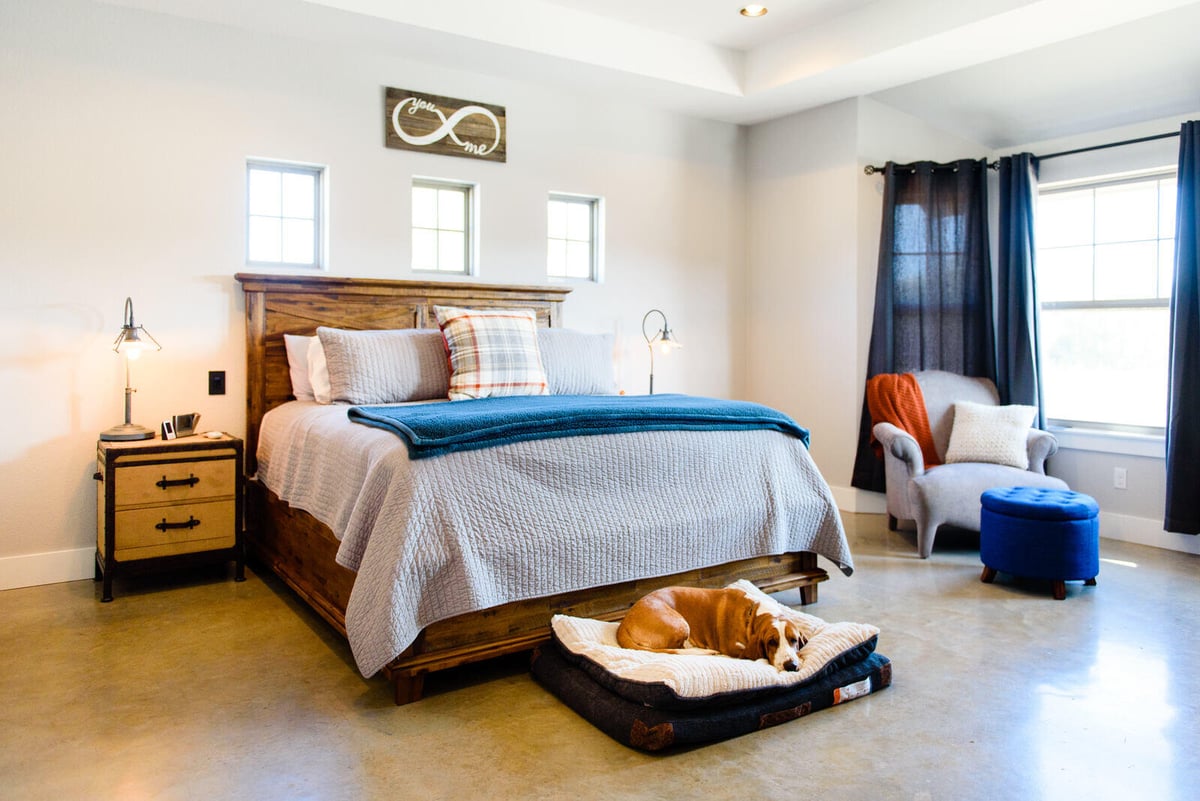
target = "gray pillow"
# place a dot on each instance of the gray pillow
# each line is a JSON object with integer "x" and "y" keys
{"x": 577, "y": 363}
{"x": 406, "y": 364}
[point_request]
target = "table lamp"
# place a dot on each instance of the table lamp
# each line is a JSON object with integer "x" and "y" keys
{"x": 130, "y": 343}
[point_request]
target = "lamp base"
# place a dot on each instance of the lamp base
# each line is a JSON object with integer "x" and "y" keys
{"x": 126, "y": 433}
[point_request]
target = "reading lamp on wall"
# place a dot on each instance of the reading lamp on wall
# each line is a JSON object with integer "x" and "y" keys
{"x": 666, "y": 341}
{"x": 130, "y": 343}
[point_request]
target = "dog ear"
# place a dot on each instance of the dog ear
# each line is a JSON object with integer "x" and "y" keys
{"x": 795, "y": 634}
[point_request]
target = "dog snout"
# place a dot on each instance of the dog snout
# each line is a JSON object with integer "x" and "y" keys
{"x": 791, "y": 665}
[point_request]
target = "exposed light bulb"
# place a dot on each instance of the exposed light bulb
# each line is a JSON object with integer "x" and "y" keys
{"x": 753, "y": 10}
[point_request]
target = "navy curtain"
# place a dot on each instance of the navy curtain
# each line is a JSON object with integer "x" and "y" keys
{"x": 1017, "y": 357}
{"x": 1183, "y": 401}
{"x": 933, "y": 290}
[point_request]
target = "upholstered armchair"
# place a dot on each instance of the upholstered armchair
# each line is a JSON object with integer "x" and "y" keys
{"x": 949, "y": 493}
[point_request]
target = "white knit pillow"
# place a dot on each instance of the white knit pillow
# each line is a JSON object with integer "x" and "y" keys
{"x": 992, "y": 434}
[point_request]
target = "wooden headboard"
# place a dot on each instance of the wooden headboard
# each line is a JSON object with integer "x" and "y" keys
{"x": 297, "y": 304}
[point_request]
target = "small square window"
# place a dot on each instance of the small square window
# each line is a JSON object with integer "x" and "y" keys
{"x": 284, "y": 214}
{"x": 442, "y": 226}
{"x": 573, "y": 226}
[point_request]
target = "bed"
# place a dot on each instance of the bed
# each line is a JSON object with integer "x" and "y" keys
{"x": 303, "y": 550}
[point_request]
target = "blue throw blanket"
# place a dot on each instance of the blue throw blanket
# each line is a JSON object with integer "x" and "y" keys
{"x": 434, "y": 429}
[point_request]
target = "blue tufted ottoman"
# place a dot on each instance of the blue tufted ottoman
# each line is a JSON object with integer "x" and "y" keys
{"x": 1040, "y": 533}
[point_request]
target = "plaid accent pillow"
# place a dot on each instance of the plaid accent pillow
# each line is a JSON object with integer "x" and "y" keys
{"x": 493, "y": 352}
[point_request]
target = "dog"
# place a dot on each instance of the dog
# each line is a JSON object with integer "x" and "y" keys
{"x": 689, "y": 620}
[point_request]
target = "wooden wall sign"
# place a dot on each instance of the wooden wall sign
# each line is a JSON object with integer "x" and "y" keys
{"x": 444, "y": 125}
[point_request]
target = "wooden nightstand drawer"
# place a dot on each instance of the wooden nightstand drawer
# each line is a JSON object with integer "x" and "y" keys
{"x": 176, "y": 482}
{"x": 168, "y": 530}
{"x": 167, "y": 504}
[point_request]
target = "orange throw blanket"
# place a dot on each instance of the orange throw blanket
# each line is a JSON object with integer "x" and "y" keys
{"x": 896, "y": 398}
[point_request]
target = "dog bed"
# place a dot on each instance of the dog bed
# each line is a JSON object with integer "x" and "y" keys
{"x": 687, "y": 681}
{"x": 653, "y": 701}
{"x": 651, "y": 729}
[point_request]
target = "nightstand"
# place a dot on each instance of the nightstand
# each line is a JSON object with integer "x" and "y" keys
{"x": 166, "y": 503}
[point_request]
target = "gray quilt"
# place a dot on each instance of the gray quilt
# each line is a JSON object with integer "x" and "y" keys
{"x": 434, "y": 538}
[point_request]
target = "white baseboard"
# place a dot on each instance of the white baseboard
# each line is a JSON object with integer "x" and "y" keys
{"x": 31, "y": 570}
{"x": 852, "y": 499}
{"x": 1144, "y": 531}
{"x": 1125, "y": 528}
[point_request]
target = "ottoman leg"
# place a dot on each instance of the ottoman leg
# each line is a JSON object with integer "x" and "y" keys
{"x": 989, "y": 575}
{"x": 1090, "y": 582}
{"x": 1060, "y": 590}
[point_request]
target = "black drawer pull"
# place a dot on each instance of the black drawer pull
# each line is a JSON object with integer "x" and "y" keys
{"x": 190, "y": 523}
{"x": 190, "y": 481}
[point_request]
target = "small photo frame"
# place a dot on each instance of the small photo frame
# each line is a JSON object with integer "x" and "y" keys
{"x": 168, "y": 429}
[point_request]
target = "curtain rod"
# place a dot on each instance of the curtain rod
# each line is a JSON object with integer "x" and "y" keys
{"x": 1108, "y": 145}
{"x": 871, "y": 169}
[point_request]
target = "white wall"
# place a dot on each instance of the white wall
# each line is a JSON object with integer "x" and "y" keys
{"x": 813, "y": 244}
{"x": 125, "y": 136}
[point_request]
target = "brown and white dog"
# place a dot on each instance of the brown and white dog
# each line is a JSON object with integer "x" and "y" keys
{"x": 677, "y": 620}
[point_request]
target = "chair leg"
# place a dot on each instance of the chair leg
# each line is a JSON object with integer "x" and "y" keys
{"x": 1060, "y": 590}
{"x": 1091, "y": 582}
{"x": 989, "y": 575}
{"x": 926, "y": 531}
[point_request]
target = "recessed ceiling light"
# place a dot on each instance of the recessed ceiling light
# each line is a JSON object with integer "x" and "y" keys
{"x": 753, "y": 10}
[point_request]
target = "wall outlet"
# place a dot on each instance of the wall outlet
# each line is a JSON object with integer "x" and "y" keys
{"x": 1118, "y": 478}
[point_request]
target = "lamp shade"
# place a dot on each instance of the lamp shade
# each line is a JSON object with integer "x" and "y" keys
{"x": 133, "y": 338}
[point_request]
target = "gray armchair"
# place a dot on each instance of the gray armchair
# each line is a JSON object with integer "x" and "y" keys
{"x": 949, "y": 493}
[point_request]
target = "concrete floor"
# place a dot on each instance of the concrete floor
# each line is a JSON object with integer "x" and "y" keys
{"x": 194, "y": 687}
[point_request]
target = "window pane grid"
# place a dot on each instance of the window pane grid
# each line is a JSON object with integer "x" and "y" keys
{"x": 571, "y": 237}
{"x": 1104, "y": 268}
{"x": 283, "y": 214}
{"x": 441, "y": 226}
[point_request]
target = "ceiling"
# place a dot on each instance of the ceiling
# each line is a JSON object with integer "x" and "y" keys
{"x": 998, "y": 72}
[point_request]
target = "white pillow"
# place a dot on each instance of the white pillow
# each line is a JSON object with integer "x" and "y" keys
{"x": 577, "y": 363}
{"x": 396, "y": 366}
{"x": 318, "y": 372}
{"x": 992, "y": 434}
{"x": 297, "y": 356}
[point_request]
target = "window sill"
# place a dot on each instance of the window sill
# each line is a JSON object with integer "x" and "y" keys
{"x": 1084, "y": 439}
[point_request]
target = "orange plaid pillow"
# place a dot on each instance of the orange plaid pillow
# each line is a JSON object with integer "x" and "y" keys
{"x": 493, "y": 352}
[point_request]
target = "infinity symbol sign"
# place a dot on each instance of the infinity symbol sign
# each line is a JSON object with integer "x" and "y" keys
{"x": 447, "y": 126}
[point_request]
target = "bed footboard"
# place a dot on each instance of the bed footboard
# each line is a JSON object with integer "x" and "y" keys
{"x": 301, "y": 551}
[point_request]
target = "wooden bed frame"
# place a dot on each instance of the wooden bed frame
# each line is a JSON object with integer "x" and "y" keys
{"x": 301, "y": 550}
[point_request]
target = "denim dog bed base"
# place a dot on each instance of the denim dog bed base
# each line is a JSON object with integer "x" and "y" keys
{"x": 651, "y": 729}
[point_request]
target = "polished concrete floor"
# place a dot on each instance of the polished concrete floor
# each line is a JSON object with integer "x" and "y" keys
{"x": 194, "y": 687}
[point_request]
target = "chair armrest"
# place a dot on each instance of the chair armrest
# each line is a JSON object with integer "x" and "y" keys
{"x": 901, "y": 445}
{"x": 1040, "y": 445}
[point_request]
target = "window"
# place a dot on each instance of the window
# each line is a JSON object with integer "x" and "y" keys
{"x": 1105, "y": 253}
{"x": 442, "y": 226}
{"x": 572, "y": 237}
{"x": 284, "y": 214}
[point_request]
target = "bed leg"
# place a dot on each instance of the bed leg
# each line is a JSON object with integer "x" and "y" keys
{"x": 408, "y": 688}
{"x": 808, "y": 594}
